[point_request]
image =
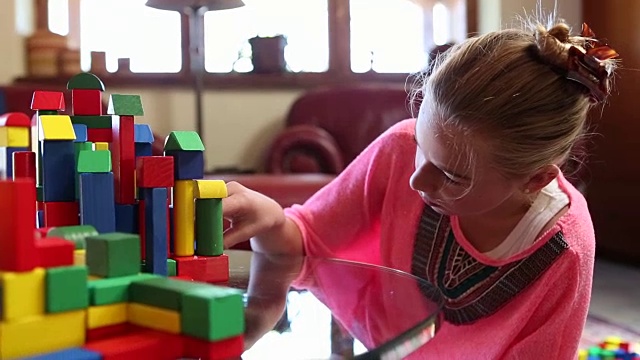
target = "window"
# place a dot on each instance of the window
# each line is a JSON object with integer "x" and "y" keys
{"x": 376, "y": 36}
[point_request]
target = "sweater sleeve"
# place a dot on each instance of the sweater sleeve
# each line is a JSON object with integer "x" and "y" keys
{"x": 343, "y": 218}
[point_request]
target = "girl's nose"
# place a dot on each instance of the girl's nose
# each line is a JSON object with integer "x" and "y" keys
{"x": 424, "y": 179}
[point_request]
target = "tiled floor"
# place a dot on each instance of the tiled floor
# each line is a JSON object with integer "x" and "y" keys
{"x": 616, "y": 294}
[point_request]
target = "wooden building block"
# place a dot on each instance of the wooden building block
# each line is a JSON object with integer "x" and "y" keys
{"x": 6, "y": 160}
{"x": 86, "y": 101}
{"x": 24, "y": 165}
{"x": 106, "y": 315}
{"x": 142, "y": 134}
{"x": 124, "y": 162}
{"x": 79, "y": 257}
{"x": 47, "y": 100}
{"x": 13, "y": 136}
{"x": 161, "y": 292}
{"x": 81, "y": 133}
{"x": 76, "y": 233}
{"x": 93, "y": 121}
{"x": 61, "y": 213}
{"x": 210, "y": 189}
{"x": 99, "y": 135}
{"x": 56, "y": 127}
{"x": 183, "y": 218}
{"x": 130, "y": 105}
{"x": 113, "y": 254}
{"x": 156, "y": 230}
{"x": 108, "y": 332}
{"x": 101, "y": 146}
{"x": 115, "y": 290}
{"x": 53, "y": 252}
{"x": 98, "y": 161}
{"x": 204, "y": 268}
{"x": 213, "y": 313}
{"x": 53, "y": 332}
{"x": 17, "y": 225}
{"x": 209, "y": 227}
{"x": 183, "y": 141}
{"x": 187, "y": 164}
{"x": 15, "y": 119}
{"x": 96, "y": 202}
{"x": 66, "y": 289}
{"x": 23, "y": 294}
{"x": 231, "y": 348}
{"x": 154, "y": 172}
{"x": 85, "y": 80}
{"x": 127, "y": 218}
{"x": 58, "y": 170}
{"x": 154, "y": 318}
{"x": 68, "y": 354}
{"x": 139, "y": 345}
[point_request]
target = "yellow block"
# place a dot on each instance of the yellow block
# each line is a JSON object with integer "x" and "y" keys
{"x": 101, "y": 146}
{"x": 183, "y": 217}
{"x": 154, "y": 318}
{"x": 56, "y": 127}
{"x": 42, "y": 334}
{"x": 79, "y": 257}
{"x": 22, "y": 294}
{"x": 105, "y": 315}
{"x": 210, "y": 189}
{"x": 14, "y": 136}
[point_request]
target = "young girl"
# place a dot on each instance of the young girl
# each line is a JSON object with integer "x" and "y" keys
{"x": 470, "y": 195}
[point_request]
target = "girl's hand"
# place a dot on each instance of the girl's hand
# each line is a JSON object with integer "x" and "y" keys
{"x": 250, "y": 213}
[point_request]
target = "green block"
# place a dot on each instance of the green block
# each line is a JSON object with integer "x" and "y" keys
{"x": 212, "y": 313}
{"x": 66, "y": 289}
{"x": 114, "y": 254}
{"x": 48, "y": 112}
{"x": 184, "y": 141}
{"x": 80, "y": 146}
{"x": 85, "y": 80}
{"x": 209, "y": 227}
{"x": 125, "y": 105}
{"x": 75, "y": 233}
{"x": 93, "y": 121}
{"x": 113, "y": 290}
{"x": 171, "y": 267}
{"x": 162, "y": 292}
{"x": 98, "y": 161}
{"x": 40, "y": 193}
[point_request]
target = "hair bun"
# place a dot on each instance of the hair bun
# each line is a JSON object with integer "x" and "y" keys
{"x": 553, "y": 44}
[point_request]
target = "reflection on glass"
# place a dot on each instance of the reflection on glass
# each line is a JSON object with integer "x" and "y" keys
{"x": 304, "y": 23}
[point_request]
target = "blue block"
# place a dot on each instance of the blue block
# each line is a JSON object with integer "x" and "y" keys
{"x": 171, "y": 234}
{"x": 40, "y": 219}
{"x": 97, "y": 201}
{"x": 6, "y": 160}
{"x": 58, "y": 170}
{"x": 142, "y": 134}
{"x": 68, "y": 354}
{"x": 3, "y": 103}
{"x": 82, "y": 135}
{"x": 143, "y": 149}
{"x": 187, "y": 164}
{"x": 127, "y": 218}
{"x": 155, "y": 223}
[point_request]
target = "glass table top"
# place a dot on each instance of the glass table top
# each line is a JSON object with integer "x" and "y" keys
{"x": 314, "y": 308}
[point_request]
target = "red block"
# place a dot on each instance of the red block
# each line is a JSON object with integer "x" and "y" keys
{"x": 15, "y": 119}
{"x": 203, "y": 268}
{"x": 231, "y": 348}
{"x": 47, "y": 100}
{"x": 139, "y": 345}
{"x": 24, "y": 165}
{"x": 99, "y": 135}
{"x": 58, "y": 213}
{"x": 154, "y": 171}
{"x": 141, "y": 228}
{"x": 86, "y": 101}
{"x": 106, "y": 332}
{"x": 182, "y": 277}
{"x": 17, "y": 225}
{"x": 42, "y": 232}
{"x": 123, "y": 159}
{"x": 53, "y": 252}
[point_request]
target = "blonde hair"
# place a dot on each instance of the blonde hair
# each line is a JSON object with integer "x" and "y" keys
{"x": 510, "y": 88}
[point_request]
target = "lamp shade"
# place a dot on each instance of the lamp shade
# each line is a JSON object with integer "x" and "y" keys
{"x": 180, "y": 5}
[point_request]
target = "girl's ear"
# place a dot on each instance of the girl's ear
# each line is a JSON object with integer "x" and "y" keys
{"x": 541, "y": 179}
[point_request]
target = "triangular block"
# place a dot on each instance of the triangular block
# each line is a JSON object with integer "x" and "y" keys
{"x": 125, "y": 105}
{"x": 183, "y": 141}
{"x": 47, "y": 100}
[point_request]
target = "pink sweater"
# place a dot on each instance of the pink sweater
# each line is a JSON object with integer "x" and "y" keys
{"x": 530, "y": 306}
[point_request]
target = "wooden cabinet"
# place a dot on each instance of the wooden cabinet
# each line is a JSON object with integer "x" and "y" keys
{"x": 614, "y": 191}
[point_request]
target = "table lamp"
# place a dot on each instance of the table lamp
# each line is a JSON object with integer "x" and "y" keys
{"x": 195, "y": 10}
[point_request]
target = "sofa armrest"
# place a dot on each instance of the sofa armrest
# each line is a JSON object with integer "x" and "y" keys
{"x": 304, "y": 149}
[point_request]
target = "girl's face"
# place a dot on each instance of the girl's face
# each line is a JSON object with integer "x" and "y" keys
{"x": 454, "y": 180}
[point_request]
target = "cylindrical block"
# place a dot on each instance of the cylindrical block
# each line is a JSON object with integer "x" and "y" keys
{"x": 209, "y": 227}
{"x": 183, "y": 218}
{"x": 24, "y": 165}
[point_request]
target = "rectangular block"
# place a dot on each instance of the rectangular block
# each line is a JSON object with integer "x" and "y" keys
{"x": 59, "y": 170}
{"x": 108, "y": 332}
{"x": 101, "y": 146}
{"x": 213, "y": 313}
{"x": 81, "y": 133}
{"x": 154, "y": 318}
{"x": 17, "y": 225}
{"x": 144, "y": 149}
{"x": 53, "y": 332}
{"x": 161, "y": 292}
{"x": 187, "y": 164}
{"x": 99, "y": 135}
{"x": 68, "y": 354}
{"x": 22, "y": 294}
{"x": 13, "y": 136}
{"x": 154, "y": 172}
{"x": 97, "y": 161}
{"x": 113, "y": 254}
{"x": 127, "y": 218}
{"x": 86, "y": 101}
{"x": 113, "y": 290}
{"x": 139, "y": 345}
{"x": 124, "y": 163}
{"x": 79, "y": 257}
{"x": 96, "y": 202}
{"x": 230, "y": 348}
{"x": 61, "y": 213}
{"x": 106, "y": 315}
{"x": 204, "y": 268}
{"x": 156, "y": 230}
{"x": 53, "y": 252}
{"x": 93, "y": 121}
{"x": 66, "y": 289}
{"x": 6, "y": 160}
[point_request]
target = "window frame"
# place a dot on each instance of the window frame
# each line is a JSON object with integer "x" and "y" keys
{"x": 339, "y": 71}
